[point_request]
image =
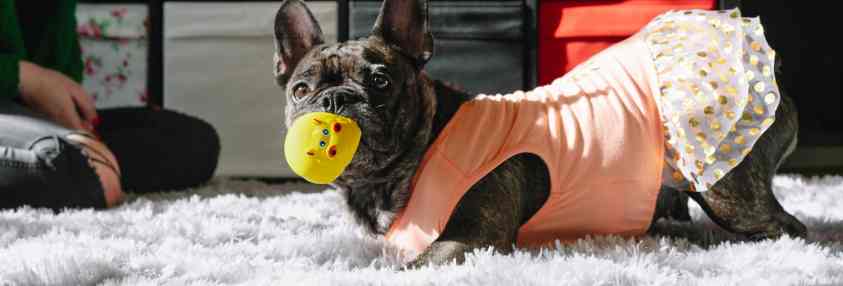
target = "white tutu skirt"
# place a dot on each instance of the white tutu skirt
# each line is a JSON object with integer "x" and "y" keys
{"x": 718, "y": 90}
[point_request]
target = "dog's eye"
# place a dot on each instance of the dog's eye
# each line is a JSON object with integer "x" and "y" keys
{"x": 300, "y": 90}
{"x": 380, "y": 81}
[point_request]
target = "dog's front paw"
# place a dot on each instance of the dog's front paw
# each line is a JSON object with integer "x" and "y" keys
{"x": 414, "y": 265}
{"x": 440, "y": 252}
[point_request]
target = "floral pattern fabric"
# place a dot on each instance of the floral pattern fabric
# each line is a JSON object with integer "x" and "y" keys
{"x": 114, "y": 46}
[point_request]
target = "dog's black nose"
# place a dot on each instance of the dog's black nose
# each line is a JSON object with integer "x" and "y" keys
{"x": 335, "y": 101}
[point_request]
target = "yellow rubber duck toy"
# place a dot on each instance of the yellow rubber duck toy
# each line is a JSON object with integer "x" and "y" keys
{"x": 319, "y": 145}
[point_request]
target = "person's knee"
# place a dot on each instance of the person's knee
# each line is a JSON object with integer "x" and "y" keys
{"x": 161, "y": 150}
{"x": 202, "y": 140}
{"x": 207, "y": 134}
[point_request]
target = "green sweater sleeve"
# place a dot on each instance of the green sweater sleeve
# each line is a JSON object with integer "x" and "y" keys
{"x": 46, "y": 37}
{"x": 11, "y": 50}
{"x": 50, "y": 37}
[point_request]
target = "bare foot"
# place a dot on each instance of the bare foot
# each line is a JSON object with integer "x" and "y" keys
{"x": 105, "y": 165}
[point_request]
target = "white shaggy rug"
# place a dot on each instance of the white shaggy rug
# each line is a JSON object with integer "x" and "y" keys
{"x": 249, "y": 233}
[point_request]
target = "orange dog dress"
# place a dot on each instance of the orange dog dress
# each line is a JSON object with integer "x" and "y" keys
{"x": 690, "y": 94}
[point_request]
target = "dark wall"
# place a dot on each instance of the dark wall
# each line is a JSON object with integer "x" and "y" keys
{"x": 806, "y": 37}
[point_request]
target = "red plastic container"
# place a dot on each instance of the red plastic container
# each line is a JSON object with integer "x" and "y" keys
{"x": 572, "y": 31}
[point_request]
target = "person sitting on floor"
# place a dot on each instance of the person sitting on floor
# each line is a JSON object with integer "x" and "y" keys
{"x": 56, "y": 149}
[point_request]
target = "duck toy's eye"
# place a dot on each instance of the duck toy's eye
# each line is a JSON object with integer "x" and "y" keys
{"x": 325, "y": 132}
{"x": 322, "y": 144}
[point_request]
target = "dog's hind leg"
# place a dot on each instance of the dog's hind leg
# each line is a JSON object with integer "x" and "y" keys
{"x": 671, "y": 204}
{"x": 743, "y": 201}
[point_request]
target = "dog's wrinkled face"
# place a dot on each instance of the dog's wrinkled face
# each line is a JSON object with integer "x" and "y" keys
{"x": 362, "y": 81}
{"x": 374, "y": 81}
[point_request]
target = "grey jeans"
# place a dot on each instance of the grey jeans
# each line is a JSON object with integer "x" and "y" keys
{"x": 157, "y": 150}
{"x": 39, "y": 167}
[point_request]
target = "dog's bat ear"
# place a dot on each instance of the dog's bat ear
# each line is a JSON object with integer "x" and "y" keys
{"x": 403, "y": 24}
{"x": 296, "y": 32}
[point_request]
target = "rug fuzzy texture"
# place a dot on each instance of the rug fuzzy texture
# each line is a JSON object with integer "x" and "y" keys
{"x": 249, "y": 233}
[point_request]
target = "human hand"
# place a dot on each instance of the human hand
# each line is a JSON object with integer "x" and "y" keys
{"x": 57, "y": 96}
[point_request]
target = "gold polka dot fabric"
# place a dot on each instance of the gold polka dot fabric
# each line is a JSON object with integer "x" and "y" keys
{"x": 718, "y": 90}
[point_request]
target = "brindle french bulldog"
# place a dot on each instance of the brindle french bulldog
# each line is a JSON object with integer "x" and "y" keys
{"x": 379, "y": 82}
